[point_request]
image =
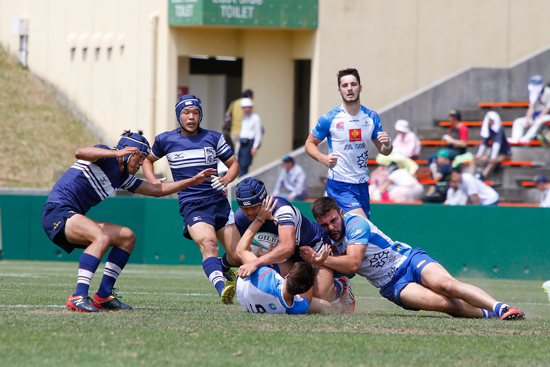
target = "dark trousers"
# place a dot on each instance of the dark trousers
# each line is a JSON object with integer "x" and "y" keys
{"x": 245, "y": 155}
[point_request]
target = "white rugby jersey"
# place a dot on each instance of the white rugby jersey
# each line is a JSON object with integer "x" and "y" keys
{"x": 383, "y": 256}
{"x": 349, "y": 136}
{"x": 262, "y": 292}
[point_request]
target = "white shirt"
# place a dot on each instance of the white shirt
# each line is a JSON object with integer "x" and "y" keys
{"x": 545, "y": 198}
{"x": 251, "y": 128}
{"x": 294, "y": 180}
{"x": 402, "y": 177}
{"x": 472, "y": 186}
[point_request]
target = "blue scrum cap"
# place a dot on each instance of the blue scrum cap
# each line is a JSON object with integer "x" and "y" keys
{"x": 250, "y": 192}
{"x": 130, "y": 139}
{"x": 187, "y": 100}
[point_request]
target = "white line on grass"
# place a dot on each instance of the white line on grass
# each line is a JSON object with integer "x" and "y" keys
{"x": 13, "y": 275}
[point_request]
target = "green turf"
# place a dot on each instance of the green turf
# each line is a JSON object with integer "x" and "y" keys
{"x": 180, "y": 321}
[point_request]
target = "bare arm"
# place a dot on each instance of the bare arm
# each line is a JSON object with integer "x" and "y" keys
{"x": 347, "y": 264}
{"x": 383, "y": 143}
{"x": 233, "y": 171}
{"x": 312, "y": 149}
{"x": 147, "y": 169}
{"x": 475, "y": 199}
{"x": 92, "y": 154}
{"x": 163, "y": 189}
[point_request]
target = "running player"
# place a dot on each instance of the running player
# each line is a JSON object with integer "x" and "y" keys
{"x": 96, "y": 175}
{"x": 207, "y": 215}
{"x": 409, "y": 278}
{"x": 348, "y": 129}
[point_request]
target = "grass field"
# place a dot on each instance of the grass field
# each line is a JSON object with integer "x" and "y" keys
{"x": 179, "y": 321}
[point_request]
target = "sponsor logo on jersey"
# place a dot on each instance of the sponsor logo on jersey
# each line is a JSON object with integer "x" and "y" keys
{"x": 352, "y": 223}
{"x": 355, "y": 135}
{"x": 348, "y": 147}
{"x": 209, "y": 155}
{"x": 357, "y": 232}
{"x": 196, "y": 218}
{"x": 353, "y": 120}
{"x": 264, "y": 274}
{"x": 55, "y": 225}
{"x": 104, "y": 179}
{"x": 273, "y": 306}
{"x": 340, "y": 126}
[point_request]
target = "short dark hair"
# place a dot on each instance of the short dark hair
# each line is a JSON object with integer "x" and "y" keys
{"x": 301, "y": 278}
{"x": 323, "y": 205}
{"x": 248, "y": 93}
{"x": 348, "y": 71}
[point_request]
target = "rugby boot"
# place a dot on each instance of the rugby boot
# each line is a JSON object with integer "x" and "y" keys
{"x": 81, "y": 304}
{"x": 109, "y": 303}
{"x": 347, "y": 298}
{"x": 512, "y": 313}
{"x": 230, "y": 277}
{"x": 228, "y": 294}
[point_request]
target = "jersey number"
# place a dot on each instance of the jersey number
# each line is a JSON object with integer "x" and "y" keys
{"x": 259, "y": 308}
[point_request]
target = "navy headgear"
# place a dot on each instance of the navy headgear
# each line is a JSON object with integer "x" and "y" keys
{"x": 130, "y": 139}
{"x": 250, "y": 192}
{"x": 187, "y": 100}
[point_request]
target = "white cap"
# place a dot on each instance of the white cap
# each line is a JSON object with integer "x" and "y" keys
{"x": 402, "y": 126}
{"x": 246, "y": 102}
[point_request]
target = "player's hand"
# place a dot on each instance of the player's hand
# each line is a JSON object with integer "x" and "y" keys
{"x": 261, "y": 252}
{"x": 331, "y": 160}
{"x": 246, "y": 269}
{"x": 253, "y": 151}
{"x": 307, "y": 253}
{"x": 383, "y": 138}
{"x": 204, "y": 175}
{"x": 127, "y": 150}
{"x": 318, "y": 259}
{"x": 223, "y": 181}
{"x": 266, "y": 210}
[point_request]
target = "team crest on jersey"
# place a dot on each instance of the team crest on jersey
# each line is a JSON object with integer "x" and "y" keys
{"x": 379, "y": 259}
{"x": 273, "y": 306}
{"x": 355, "y": 135}
{"x": 209, "y": 155}
{"x": 362, "y": 160}
{"x": 340, "y": 126}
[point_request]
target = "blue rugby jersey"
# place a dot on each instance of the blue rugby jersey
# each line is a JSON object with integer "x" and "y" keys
{"x": 383, "y": 256}
{"x": 86, "y": 184}
{"x": 262, "y": 292}
{"x": 189, "y": 155}
{"x": 308, "y": 233}
{"x": 349, "y": 136}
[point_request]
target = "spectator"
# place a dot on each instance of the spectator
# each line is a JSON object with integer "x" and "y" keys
{"x": 293, "y": 178}
{"x": 544, "y": 187}
{"x": 476, "y": 190}
{"x": 440, "y": 171}
{"x": 537, "y": 113}
{"x": 250, "y": 136}
{"x": 457, "y": 137}
{"x": 405, "y": 142}
{"x": 233, "y": 118}
{"x": 378, "y": 178}
{"x": 491, "y": 131}
{"x": 401, "y": 185}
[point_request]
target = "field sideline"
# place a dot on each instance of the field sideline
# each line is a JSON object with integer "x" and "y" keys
{"x": 179, "y": 321}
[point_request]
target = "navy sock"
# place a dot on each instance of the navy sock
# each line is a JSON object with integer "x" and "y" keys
{"x": 225, "y": 264}
{"x": 213, "y": 269}
{"x": 116, "y": 261}
{"x": 499, "y": 308}
{"x": 86, "y": 268}
{"x": 488, "y": 314}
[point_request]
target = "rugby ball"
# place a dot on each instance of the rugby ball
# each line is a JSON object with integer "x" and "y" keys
{"x": 264, "y": 240}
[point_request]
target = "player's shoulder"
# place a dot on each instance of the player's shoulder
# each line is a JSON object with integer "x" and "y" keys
{"x": 370, "y": 113}
{"x": 330, "y": 115}
{"x": 355, "y": 221}
{"x": 167, "y": 134}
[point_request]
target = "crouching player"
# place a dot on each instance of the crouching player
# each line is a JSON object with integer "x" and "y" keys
{"x": 407, "y": 277}
{"x": 265, "y": 290}
{"x": 96, "y": 175}
{"x": 292, "y": 230}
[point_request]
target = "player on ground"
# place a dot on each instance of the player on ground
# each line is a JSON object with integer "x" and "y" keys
{"x": 348, "y": 129}
{"x": 207, "y": 215}
{"x": 96, "y": 175}
{"x": 265, "y": 290}
{"x": 409, "y": 278}
{"x": 293, "y": 230}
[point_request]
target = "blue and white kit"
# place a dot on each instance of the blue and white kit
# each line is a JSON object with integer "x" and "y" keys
{"x": 308, "y": 233}
{"x": 262, "y": 292}
{"x": 349, "y": 136}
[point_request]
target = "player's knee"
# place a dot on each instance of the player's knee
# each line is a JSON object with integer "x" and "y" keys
{"x": 103, "y": 240}
{"x": 449, "y": 286}
{"x": 209, "y": 247}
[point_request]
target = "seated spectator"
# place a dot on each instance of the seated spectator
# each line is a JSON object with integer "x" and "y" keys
{"x": 440, "y": 170}
{"x": 537, "y": 113}
{"x": 544, "y": 187}
{"x": 456, "y": 138}
{"x": 491, "y": 131}
{"x": 477, "y": 191}
{"x": 406, "y": 142}
{"x": 401, "y": 185}
{"x": 293, "y": 178}
{"x": 401, "y": 160}
{"x": 455, "y": 196}
{"x": 378, "y": 178}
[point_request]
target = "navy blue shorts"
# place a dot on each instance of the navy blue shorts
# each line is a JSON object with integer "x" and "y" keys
{"x": 350, "y": 196}
{"x": 408, "y": 272}
{"x": 54, "y": 218}
{"x": 215, "y": 211}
